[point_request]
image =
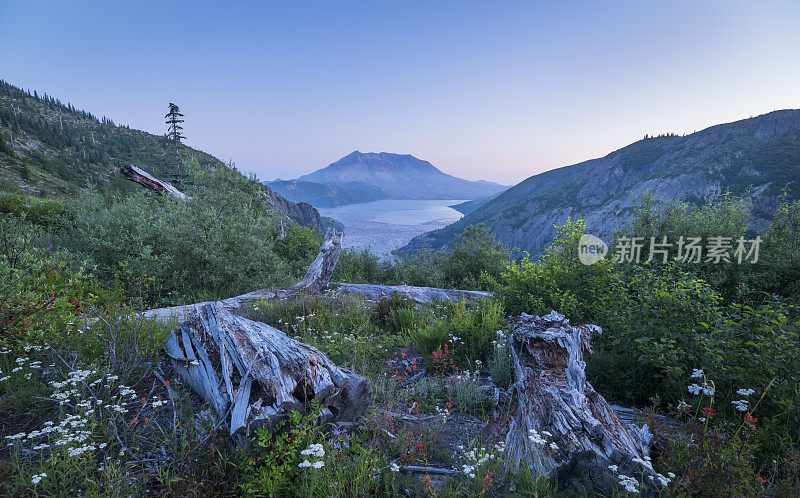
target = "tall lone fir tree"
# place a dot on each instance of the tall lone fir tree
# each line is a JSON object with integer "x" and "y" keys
{"x": 174, "y": 131}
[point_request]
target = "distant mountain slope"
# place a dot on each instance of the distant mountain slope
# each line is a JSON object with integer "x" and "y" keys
{"x": 50, "y": 149}
{"x": 326, "y": 195}
{"x": 400, "y": 176}
{"x": 761, "y": 153}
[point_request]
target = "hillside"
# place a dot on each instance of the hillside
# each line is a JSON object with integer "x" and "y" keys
{"x": 53, "y": 150}
{"x": 760, "y": 154}
{"x": 399, "y": 176}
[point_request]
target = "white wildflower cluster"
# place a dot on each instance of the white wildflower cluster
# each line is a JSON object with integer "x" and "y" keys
{"x": 697, "y": 373}
{"x": 742, "y": 405}
{"x": 501, "y": 341}
{"x": 477, "y": 457}
{"x": 454, "y": 339}
{"x": 632, "y": 485}
{"x": 682, "y": 405}
{"x": 707, "y": 389}
{"x": 541, "y": 439}
{"x": 73, "y": 433}
{"x": 38, "y": 478}
{"x": 394, "y": 467}
{"x": 443, "y": 413}
{"x": 315, "y": 451}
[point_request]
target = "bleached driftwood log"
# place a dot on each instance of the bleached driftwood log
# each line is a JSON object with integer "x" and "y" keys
{"x": 320, "y": 272}
{"x": 555, "y": 398}
{"x": 423, "y": 295}
{"x": 257, "y": 374}
{"x": 134, "y": 174}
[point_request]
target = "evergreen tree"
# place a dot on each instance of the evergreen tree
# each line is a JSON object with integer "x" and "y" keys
{"x": 174, "y": 131}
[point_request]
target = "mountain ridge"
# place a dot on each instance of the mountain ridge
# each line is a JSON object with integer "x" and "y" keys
{"x": 51, "y": 149}
{"x": 396, "y": 176}
{"x": 760, "y": 153}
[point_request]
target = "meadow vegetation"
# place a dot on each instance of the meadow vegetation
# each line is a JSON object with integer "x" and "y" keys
{"x": 89, "y": 405}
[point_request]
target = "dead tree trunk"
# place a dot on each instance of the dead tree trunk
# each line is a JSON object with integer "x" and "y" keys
{"x": 134, "y": 174}
{"x": 320, "y": 272}
{"x": 557, "y": 405}
{"x": 257, "y": 374}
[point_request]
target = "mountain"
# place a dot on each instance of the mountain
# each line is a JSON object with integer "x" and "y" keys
{"x": 399, "y": 176}
{"x": 326, "y": 195}
{"x": 758, "y": 157}
{"x": 51, "y": 149}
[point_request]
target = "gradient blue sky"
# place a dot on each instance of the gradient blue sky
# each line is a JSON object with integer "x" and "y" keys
{"x": 493, "y": 90}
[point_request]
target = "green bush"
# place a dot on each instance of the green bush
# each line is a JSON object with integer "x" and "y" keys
{"x": 220, "y": 242}
{"x": 558, "y": 280}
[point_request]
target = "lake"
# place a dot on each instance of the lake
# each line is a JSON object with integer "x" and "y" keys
{"x": 386, "y": 225}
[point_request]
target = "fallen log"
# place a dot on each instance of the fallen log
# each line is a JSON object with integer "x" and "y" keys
{"x": 257, "y": 374}
{"x": 423, "y": 295}
{"x": 562, "y": 425}
{"x": 134, "y": 174}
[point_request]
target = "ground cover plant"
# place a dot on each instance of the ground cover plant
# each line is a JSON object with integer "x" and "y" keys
{"x": 88, "y": 404}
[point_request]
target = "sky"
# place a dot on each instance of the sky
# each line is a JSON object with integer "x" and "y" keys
{"x": 483, "y": 90}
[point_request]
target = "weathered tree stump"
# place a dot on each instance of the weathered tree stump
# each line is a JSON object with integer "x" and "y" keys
{"x": 257, "y": 374}
{"x": 134, "y": 174}
{"x": 557, "y": 405}
{"x": 320, "y": 272}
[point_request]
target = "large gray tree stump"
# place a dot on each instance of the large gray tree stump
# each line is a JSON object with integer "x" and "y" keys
{"x": 554, "y": 397}
{"x": 257, "y": 374}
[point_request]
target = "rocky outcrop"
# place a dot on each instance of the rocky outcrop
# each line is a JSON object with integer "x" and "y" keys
{"x": 301, "y": 212}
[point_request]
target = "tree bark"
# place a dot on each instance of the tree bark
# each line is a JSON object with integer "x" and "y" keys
{"x": 554, "y": 397}
{"x": 134, "y": 174}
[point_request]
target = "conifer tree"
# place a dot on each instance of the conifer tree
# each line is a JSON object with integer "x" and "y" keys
{"x": 174, "y": 131}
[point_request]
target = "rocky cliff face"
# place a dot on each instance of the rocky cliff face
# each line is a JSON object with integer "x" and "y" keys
{"x": 757, "y": 157}
{"x": 300, "y": 212}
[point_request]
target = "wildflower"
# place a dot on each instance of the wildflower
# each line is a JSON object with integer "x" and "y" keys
{"x": 38, "y": 477}
{"x": 708, "y": 412}
{"x": 613, "y": 468}
{"x": 553, "y": 446}
{"x": 761, "y": 479}
{"x": 682, "y": 405}
{"x": 750, "y": 420}
{"x": 741, "y": 405}
{"x": 318, "y": 465}
{"x": 694, "y": 389}
{"x": 697, "y": 373}
{"x": 304, "y": 464}
{"x": 394, "y": 467}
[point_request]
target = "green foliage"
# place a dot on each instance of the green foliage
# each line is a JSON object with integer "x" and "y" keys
{"x": 221, "y": 242}
{"x": 42, "y": 212}
{"x": 38, "y": 287}
{"x": 558, "y": 280}
{"x": 359, "y": 267}
{"x": 467, "y": 330}
{"x": 298, "y": 247}
{"x": 475, "y": 253}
